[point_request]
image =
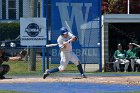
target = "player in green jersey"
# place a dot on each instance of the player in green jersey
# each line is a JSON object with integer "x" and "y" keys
{"x": 132, "y": 54}
{"x": 120, "y": 58}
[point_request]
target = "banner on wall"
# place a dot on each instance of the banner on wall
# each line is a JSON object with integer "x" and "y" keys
{"x": 84, "y": 19}
{"x": 33, "y": 31}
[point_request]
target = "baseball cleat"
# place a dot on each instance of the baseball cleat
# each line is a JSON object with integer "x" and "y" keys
{"x": 83, "y": 76}
{"x": 46, "y": 74}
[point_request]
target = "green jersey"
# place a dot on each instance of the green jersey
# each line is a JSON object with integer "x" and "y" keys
{"x": 133, "y": 53}
{"x": 120, "y": 54}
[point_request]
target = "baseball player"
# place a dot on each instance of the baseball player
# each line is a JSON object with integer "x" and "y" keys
{"x": 65, "y": 44}
{"x": 4, "y": 68}
{"x": 120, "y": 58}
{"x": 132, "y": 54}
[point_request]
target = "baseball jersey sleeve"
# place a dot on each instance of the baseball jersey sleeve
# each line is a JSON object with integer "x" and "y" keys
{"x": 60, "y": 42}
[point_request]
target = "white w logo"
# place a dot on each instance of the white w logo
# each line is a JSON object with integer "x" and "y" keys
{"x": 77, "y": 14}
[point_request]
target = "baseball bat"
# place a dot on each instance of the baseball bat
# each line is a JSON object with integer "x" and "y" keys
{"x": 68, "y": 27}
{"x": 51, "y": 45}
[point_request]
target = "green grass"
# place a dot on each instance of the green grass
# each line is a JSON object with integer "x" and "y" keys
{"x": 21, "y": 68}
{"x": 8, "y": 91}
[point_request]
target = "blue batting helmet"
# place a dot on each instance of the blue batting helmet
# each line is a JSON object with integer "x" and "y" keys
{"x": 63, "y": 31}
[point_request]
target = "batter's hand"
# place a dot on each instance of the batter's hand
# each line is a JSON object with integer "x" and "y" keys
{"x": 72, "y": 39}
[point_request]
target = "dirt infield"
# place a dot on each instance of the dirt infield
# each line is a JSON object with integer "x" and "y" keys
{"x": 129, "y": 80}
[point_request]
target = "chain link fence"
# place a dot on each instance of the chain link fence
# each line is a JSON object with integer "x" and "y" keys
{"x": 10, "y": 13}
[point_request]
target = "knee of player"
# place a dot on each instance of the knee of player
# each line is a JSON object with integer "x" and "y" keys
{"x": 127, "y": 61}
{"x": 117, "y": 61}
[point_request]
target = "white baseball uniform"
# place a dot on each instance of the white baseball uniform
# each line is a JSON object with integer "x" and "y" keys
{"x": 66, "y": 54}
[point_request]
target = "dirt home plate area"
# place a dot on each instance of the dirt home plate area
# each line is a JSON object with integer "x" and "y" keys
{"x": 132, "y": 80}
{"x": 61, "y": 83}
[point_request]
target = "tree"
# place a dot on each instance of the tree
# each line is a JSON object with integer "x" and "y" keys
{"x": 120, "y": 6}
{"x": 135, "y": 6}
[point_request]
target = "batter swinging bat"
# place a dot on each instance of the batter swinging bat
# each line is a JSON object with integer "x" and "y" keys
{"x": 69, "y": 29}
{"x": 53, "y": 45}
